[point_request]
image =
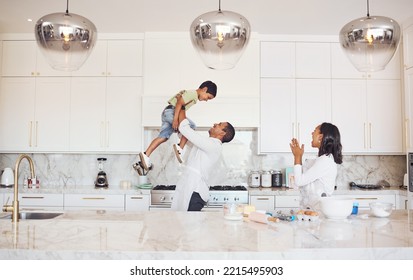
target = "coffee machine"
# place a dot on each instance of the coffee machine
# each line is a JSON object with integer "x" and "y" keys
{"x": 101, "y": 179}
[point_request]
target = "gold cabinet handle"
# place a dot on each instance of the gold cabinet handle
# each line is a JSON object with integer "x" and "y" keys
{"x": 93, "y": 198}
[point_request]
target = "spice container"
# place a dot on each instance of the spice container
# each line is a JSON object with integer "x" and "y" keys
{"x": 276, "y": 178}
{"x": 266, "y": 179}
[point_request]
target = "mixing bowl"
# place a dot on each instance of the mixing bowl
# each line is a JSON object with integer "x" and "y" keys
{"x": 381, "y": 209}
{"x": 336, "y": 208}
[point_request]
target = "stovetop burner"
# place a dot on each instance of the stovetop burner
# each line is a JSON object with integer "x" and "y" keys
{"x": 211, "y": 188}
{"x": 165, "y": 187}
{"x": 227, "y": 188}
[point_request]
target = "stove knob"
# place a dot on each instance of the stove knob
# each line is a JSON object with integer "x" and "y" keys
{"x": 162, "y": 198}
{"x": 225, "y": 199}
{"x": 236, "y": 198}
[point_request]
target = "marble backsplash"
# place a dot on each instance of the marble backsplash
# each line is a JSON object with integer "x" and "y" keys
{"x": 239, "y": 158}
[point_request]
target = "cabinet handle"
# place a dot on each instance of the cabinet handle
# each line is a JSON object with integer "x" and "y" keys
{"x": 107, "y": 134}
{"x": 262, "y": 198}
{"x": 30, "y": 133}
{"x": 136, "y": 197}
{"x": 93, "y": 198}
{"x": 366, "y": 198}
{"x": 365, "y": 135}
{"x": 370, "y": 136}
{"x": 102, "y": 134}
{"x": 33, "y": 197}
{"x": 36, "y": 134}
{"x": 407, "y": 131}
{"x": 298, "y": 131}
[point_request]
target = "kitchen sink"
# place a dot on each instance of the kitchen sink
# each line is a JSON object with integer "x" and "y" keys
{"x": 34, "y": 216}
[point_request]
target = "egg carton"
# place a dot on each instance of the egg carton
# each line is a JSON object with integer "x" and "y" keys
{"x": 307, "y": 216}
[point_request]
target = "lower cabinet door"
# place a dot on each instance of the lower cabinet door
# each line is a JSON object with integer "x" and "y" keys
{"x": 137, "y": 203}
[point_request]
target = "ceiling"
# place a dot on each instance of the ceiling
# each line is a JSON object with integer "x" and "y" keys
{"x": 302, "y": 17}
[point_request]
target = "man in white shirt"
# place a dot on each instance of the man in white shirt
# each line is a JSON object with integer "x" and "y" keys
{"x": 192, "y": 189}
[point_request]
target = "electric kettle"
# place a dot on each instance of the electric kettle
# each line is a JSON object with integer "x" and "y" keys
{"x": 7, "y": 178}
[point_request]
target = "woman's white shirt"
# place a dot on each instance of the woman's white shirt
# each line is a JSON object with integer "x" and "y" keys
{"x": 315, "y": 177}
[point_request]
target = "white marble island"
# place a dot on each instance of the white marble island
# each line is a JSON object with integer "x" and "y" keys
{"x": 204, "y": 235}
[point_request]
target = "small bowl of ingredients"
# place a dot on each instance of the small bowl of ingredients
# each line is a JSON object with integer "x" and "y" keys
{"x": 381, "y": 209}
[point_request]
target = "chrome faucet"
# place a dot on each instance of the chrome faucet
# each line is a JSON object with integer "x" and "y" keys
{"x": 14, "y": 208}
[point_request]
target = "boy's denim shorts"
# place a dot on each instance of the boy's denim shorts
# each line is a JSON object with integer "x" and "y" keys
{"x": 167, "y": 119}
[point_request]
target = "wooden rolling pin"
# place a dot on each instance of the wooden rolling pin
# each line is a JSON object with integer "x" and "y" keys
{"x": 261, "y": 218}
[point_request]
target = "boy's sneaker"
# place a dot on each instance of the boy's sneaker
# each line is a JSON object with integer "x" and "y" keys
{"x": 146, "y": 162}
{"x": 178, "y": 152}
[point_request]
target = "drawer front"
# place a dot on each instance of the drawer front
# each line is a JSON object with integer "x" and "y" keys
{"x": 287, "y": 201}
{"x": 47, "y": 200}
{"x": 93, "y": 200}
{"x": 266, "y": 202}
{"x": 137, "y": 203}
{"x": 365, "y": 200}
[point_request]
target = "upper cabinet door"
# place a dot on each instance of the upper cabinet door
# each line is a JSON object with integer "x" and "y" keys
{"x": 19, "y": 58}
{"x": 277, "y": 115}
{"x": 24, "y": 59}
{"x": 313, "y": 60}
{"x": 277, "y": 59}
{"x": 408, "y": 47}
{"x": 124, "y": 58}
{"x": 113, "y": 58}
{"x": 95, "y": 65}
{"x": 349, "y": 113}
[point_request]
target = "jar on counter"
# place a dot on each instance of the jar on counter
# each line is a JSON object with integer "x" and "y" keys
{"x": 266, "y": 179}
{"x": 254, "y": 179}
{"x": 276, "y": 178}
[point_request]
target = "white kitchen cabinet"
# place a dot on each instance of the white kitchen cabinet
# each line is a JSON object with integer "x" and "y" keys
{"x": 35, "y": 114}
{"x": 24, "y": 59}
{"x": 288, "y": 111}
{"x": 262, "y": 202}
{"x": 295, "y": 60}
{"x": 277, "y": 59}
{"x": 287, "y": 202}
{"x": 365, "y": 199}
{"x": 172, "y": 64}
{"x": 408, "y": 109}
{"x": 408, "y": 45}
{"x": 368, "y": 115}
{"x": 114, "y": 202}
{"x": 36, "y": 201}
{"x": 402, "y": 202}
{"x": 105, "y": 114}
{"x": 137, "y": 202}
{"x": 115, "y": 58}
{"x": 313, "y": 60}
{"x": 244, "y": 111}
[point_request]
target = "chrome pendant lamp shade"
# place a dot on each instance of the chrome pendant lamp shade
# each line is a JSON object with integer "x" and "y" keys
{"x": 370, "y": 42}
{"x": 65, "y": 39}
{"x": 220, "y": 37}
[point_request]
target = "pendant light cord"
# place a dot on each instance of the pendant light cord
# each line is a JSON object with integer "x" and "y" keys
{"x": 368, "y": 8}
{"x": 67, "y": 7}
{"x": 219, "y": 8}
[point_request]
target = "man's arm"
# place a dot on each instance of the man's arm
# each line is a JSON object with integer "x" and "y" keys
{"x": 194, "y": 137}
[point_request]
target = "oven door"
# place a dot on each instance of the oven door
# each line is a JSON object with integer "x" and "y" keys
{"x": 160, "y": 207}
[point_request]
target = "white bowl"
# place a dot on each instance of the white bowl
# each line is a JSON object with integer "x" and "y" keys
{"x": 381, "y": 209}
{"x": 336, "y": 208}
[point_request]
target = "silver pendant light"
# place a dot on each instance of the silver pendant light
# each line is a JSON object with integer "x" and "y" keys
{"x": 66, "y": 40}
{"x": 370, "y": 42}
{"x": 220, "y": 37}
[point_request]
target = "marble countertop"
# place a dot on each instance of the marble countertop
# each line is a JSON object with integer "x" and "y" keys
{"x": 204, "y": 235}
{"x": 295, "y": 191}
{"x": 135, "y": 190}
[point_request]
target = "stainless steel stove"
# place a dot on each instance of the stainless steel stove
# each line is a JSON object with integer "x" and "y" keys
{"x": 162, "y": 196}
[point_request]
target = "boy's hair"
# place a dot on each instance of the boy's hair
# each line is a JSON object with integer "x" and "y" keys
{"x": 212, "y": 87}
